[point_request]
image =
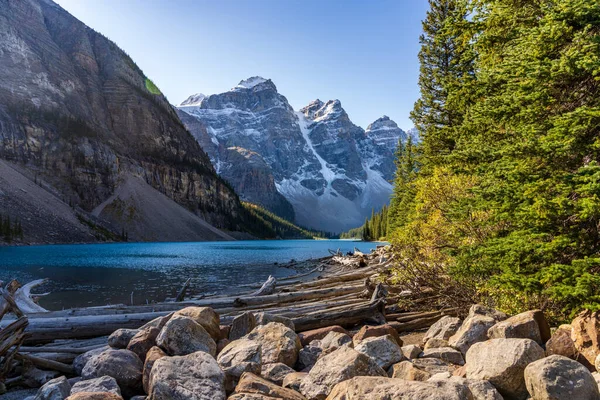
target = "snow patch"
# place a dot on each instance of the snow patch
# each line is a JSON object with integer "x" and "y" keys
{"x": 193, "y": 100}
{"x": 326, "y": 171}
{"x": 250, "y": 82}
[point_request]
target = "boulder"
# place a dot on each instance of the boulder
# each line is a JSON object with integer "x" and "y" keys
{"x": 55, "y": 389}
{"x": 221, "y": 344}
{"x": 502, "y": 362}
{"x": 435, "y": 343}
{"x": 342, "y": 364}
{"x": 473, "y": 330}
{"x": 481, "y": 390}
{"x": 205, "y": 316}
{"x": 560, "y": 343}
{"x": 238, "y": 357}
{"x": 195, "y": 376}
{"x": 447, "y": 354}
{"x": 275, "y": 372}
{"x": 225, "y": 329}
{"x": 528, "y": 325}
{"x": 384, "y": 350}
{"x": 478, "y": 309}
{"x": 82, "y": 359}
{"x": 433, "y": 365}
{"x": 94, "y": 396}
{"x": 442, "y": 329}
{"x": 411, "y": 351}
{"x": 408, "y": 371}
{"x": 242, "y": 325}
{"x": 278, "y": 343}
{"x": 374, "y": 331}
{"x": 102, "y": 384}
{"x": 373, "y": 388}
{"x": 293, "y": 380}
{"x": 120, "y": 338}
{"x": 560, "y": 378}
{"x": 308, "y": 355}
{"x": 182, "y": 335}
{"x": 333, "y": 341}
{"x": 265, "y": 318}
{"x": 123, "y": 365}
{"x": 317, "y": 334}
{"x": 253, "y": 384}
{"x": 586, "y": 336}
{"x": 158, "y": 322}
{"x": 153, "y": 354}
{"x": 143, "y": 341}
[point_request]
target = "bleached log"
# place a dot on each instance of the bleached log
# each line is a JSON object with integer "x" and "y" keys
{"x": 24, "y": 300}
{"x": 345, "y": 318}
{"x": 295, "y": 296}
{"x": 267, "y": 288}
{"x": 47, "y": 364}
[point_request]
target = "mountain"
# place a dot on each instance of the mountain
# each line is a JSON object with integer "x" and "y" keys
{"x": 82, "y": 123}
{"x": 327, "y": 172}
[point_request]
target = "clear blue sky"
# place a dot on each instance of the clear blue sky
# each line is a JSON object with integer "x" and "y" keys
{"x": 363, "y": 53}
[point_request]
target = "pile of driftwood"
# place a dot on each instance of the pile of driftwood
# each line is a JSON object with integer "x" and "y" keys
{"x": 341, "y": 290}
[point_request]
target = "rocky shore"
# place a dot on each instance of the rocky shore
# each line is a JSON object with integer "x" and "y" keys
{"x": 198, "y": 353}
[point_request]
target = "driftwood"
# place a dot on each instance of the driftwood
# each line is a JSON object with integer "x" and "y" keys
{"x": 25, "y": 300}
{"x": 181, "y": 294}
{"x": 267, "y": 288}
{"x": 346, "y": 318}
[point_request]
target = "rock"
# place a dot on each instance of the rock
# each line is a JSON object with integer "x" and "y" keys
{"x": 408, "y": 371}
{"x": 242, "y": 325}
{"x": 143, "y": 341}
{"x": 275, "y": 372}
{"x": 502, "y": 362}
{"x": 317, "y": 334}
{"x": 435, "y": 343}
{"x": 224, "y": 332}
{"x": 433, "y": 365}
{"x": 102, "y": 384}
{"x": 560, "y": 378}
{"x": 442, "y": 329}
{"x": 249, "y": 396}
{"x": 237, "y": 357}
{"x": 195, "y": 376}
{"x": 293, "y": 380}
{"x": 94, "y": 396}
{"x": 221, "y": 344}
{"x": 527, "y": 325}
{"x": 342, "y": 364}
{"x": 447, "y": 354}
{"x": 205, "y": 316}
{"x": 560, "y": 343}
{"x": 481, "y": 390}
{"x": 597, "y": 363}
{"x": 123, "y": 365}
{"x": 159, "y": 322}
{"x": 308, "y": 356}
{"x": 373, "y": 331}
{"x": 384, "y": 350}
{"x": 586, "y": 336}
{"x": 333, "y": 341}
{"x": 55, "y": 389}
{"x": 265, "y": 318}
{"x": 120, "y": 338}
{"x": 253, "y": 384}
{"x": 278, "y": 343}
{"x": 139, "y": 398}
{"x": 82, "y": 359}
{"x": 373, "y": 388}
{"x": 182, "y": 335}
{"x": 153, "y": 354}
{"x": 461, "y": 372}
{"x": 411, "y": 351}
{"x": 596, "y": 376}
{"x": 473, "y": 330}
{"x": 478, "y": 309}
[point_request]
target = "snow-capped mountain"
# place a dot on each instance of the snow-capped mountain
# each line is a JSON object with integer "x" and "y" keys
{"x": 331, "y": 171}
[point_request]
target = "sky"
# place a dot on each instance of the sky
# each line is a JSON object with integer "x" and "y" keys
{"x": 363, "y": 53}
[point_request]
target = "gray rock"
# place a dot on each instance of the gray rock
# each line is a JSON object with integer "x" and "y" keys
{"x": 408, "y": 371}
{"x": 293, "y": 380}
{"x": 242, "y": 325}
{"x": 560, "y": 378}
{"x": 478, "y": 309}
{"x": 527, "y": 325}
{"x": 123, "y": 365}
{"x": 435, "y": 343}
{"x": 55, "y": 389}
{"x": 383, "y": 350}
{"x": 182, "y": 335}
{"x": 473, "y": 330}
{"x": 120, "y": 338}
{"x": 275, "y": 372}
{"x": 341, "y": 365}
{"x": 255, "y": 385}
{"x": 502, "y": 362}
{"x": 237, "y": 357}
{"x": 102, "y": 384}
{"x": 432, "y": 365}
{"x": 447, "y": 354}
{"x": 411, "y": 351}
{"x": 481, "y": 390}
{"x": 278, "y": 343}
{"x": 205, "y": 316}
{"x": 265, "y": 318}
{"x": 196, "y": 376}
{"x": 442, "y": 329}
{"x": 82, "y": 359}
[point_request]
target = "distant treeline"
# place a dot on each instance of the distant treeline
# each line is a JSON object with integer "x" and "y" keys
{"x": 10, "y": 229}
{"x": 374, "y": 228}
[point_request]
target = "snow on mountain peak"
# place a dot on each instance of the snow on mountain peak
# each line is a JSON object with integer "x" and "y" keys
{"x": 193, "y": 100}
{"x": 383, "y": 123}
{"x": 250, "y": 82}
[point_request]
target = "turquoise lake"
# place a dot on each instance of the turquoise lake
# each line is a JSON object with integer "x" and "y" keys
{"x": 99, "y": 274}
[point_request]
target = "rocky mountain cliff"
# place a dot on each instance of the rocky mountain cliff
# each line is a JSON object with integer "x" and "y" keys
{"x": 77, "y": 113}
{"x": 331, "y": 171}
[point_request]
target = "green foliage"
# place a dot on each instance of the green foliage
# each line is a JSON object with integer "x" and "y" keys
{"x": 507, "y": 193}
{"x": 374, "y": 228}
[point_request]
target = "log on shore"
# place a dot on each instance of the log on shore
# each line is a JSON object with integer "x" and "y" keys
{"x": 345, "y": 318}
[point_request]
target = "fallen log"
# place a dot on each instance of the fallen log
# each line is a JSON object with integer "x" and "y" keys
{"x": 181, "y": 294}
{"x": 295, "y": 296}
{"x": 47, "y": 364}
{"x": 267, "y": 288}
{"x": 345, "y": 318}
{"x": 24, "y": 298}
{"x": 415, "y": 324}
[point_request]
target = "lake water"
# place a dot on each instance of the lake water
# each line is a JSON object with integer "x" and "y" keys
{"x": 100, "y": 274}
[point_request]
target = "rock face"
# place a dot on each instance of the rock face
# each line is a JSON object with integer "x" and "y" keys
{"x": 278, "y": 343}
{"x": 196, "y": 376}
{"x": 341, "y": 365}
{"x": 122, "y": 365}
{"x": 76, "y": 111}
{"x": 182, "y": 335}
{"x": 315, "y": 158}
{"x": 502, "y": 362}
{"x": 560, "y": 378}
